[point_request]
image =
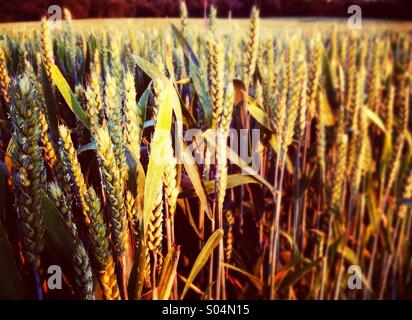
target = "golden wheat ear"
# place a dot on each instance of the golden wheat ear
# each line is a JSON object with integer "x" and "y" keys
{"x": 47, "y": 56}
{"x": 4, "y": 78}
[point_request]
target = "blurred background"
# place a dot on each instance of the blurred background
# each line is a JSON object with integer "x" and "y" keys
{"x": 11, "y": 10}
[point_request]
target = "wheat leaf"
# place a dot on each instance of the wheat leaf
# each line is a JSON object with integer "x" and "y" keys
{"x": 69, "y": 96}
{"x": 168, "y": 274}
{"x": 157, "y": 154}
{"x": 202, "y": 258}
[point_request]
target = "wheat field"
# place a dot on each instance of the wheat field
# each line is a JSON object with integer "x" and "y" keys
{"x": 99, "y": 178}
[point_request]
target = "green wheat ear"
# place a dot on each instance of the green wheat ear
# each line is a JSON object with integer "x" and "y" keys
{"x": 113, "y": 184}
{"x": 29, "y": 174}
{"x": 83, "y": 272}
{"x": 100, "y": 247}
{"x": 115, "y": 125}
{"x": 71, "y": 167}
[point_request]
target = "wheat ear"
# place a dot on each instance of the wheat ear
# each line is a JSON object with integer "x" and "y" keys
{"x": 101, "y": 249}
{"x": 46, "y": 48}
{"x": 83, "y": 271}
{"x": 72, "y": 167}
{"x": 60, "y": 202}
{"x": 215, "y": 77}
{"x": 339, "y": 174}
{"x": 114, "y": 190}
{"x": 315, "y": 71}
{"x": 49, "y": 152}
{"x": 132, "y": 117}
{"x": 114, "y": 112}
{"x": 29, "y": 177}
{"x": 183, "y": 18}
{"x": 132, "y": 215}
{"x": 251, "y": 48}
{"x": 4, "y": 77}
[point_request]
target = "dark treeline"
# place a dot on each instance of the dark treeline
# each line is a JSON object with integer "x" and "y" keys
{"x": 11, "y": 10}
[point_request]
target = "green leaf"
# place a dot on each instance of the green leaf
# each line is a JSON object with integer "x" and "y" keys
{"x": 52, "y": 106}
{"x": 254, "y": 109}
{"x": 194, "y": 175}
{"x": 350, "y": 256}
{"x": 69, "y": 96}
{"x": 168, "y": 274}
{"x": 157, "y": 155}
{"x": 148, "y": 123}
{"x": 188, "y": 118}
{"x": 59, "y": 240}
{"x": 131, "y": 163}
{"x": 202, "y": 93}
{"x": 233, "y": 180}
{"x": 255, "y": 280}
{"x": 329, "y": 117}
{"x": 235, "y": 159}
{"x": 202, "y": 258}
{"x": 186, "y": 46}
{"x": 10, "y": 279}
{"x": 137, "y": 274}
{"x": 258, "y": 114}
{"x": 142, "y": 103}
{"x": 194, "y": 70}
{"x": 328, "y": 78}
{"x": 372, "y": 116}
{"x": 298, "y": 272}
{"x": 87, "y": 147}
{"x": 149, "y": 68}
